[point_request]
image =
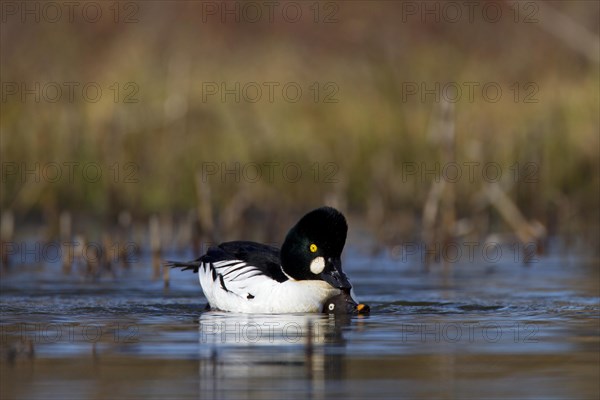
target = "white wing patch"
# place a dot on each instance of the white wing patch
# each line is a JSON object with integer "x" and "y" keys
{"x": 231, "y": 283}
{"x": 232, "y": 271}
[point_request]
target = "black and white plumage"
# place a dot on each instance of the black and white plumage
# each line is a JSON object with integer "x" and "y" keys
{"x": 250, "y": 277}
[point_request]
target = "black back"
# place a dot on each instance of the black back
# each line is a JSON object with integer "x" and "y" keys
{"x": 261, "y": 256}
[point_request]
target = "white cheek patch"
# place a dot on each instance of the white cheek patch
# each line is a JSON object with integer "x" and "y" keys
{"x": 317, "y": 265}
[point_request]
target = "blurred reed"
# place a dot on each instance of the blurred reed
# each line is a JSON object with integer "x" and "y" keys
{"x": 152, "y": 153}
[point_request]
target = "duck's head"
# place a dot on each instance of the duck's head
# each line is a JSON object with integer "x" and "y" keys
{"x": 312, "y": 249}
{"x": 344, "y": 304}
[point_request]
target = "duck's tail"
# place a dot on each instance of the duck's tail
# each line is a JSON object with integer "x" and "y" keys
{"x": 184, "y": 265}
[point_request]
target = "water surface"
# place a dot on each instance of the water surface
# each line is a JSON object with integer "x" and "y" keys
{"x": 475, "y": 330}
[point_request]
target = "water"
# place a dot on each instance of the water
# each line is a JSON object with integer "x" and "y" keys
{"x": 473, "y": 330}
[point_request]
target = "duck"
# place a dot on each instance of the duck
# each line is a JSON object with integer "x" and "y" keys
{"x": 250, "y": 277}
{"x": 344, "y": 304}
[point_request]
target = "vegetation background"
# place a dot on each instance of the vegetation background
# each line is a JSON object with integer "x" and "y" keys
{"x": 378, "y": 109}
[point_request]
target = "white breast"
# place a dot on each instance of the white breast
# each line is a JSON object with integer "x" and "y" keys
{"x": 244, "y": 290}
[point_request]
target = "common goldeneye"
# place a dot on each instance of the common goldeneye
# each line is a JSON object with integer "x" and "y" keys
{"x": 344, "y": 304}
{"x": 250, "y": 277}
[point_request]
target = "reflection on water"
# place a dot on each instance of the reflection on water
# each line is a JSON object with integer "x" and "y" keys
{"x": 270, "y": 354}
{"x": 474, "y": 331}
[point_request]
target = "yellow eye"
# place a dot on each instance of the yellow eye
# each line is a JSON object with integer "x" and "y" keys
{"x": 313, "y": 248}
